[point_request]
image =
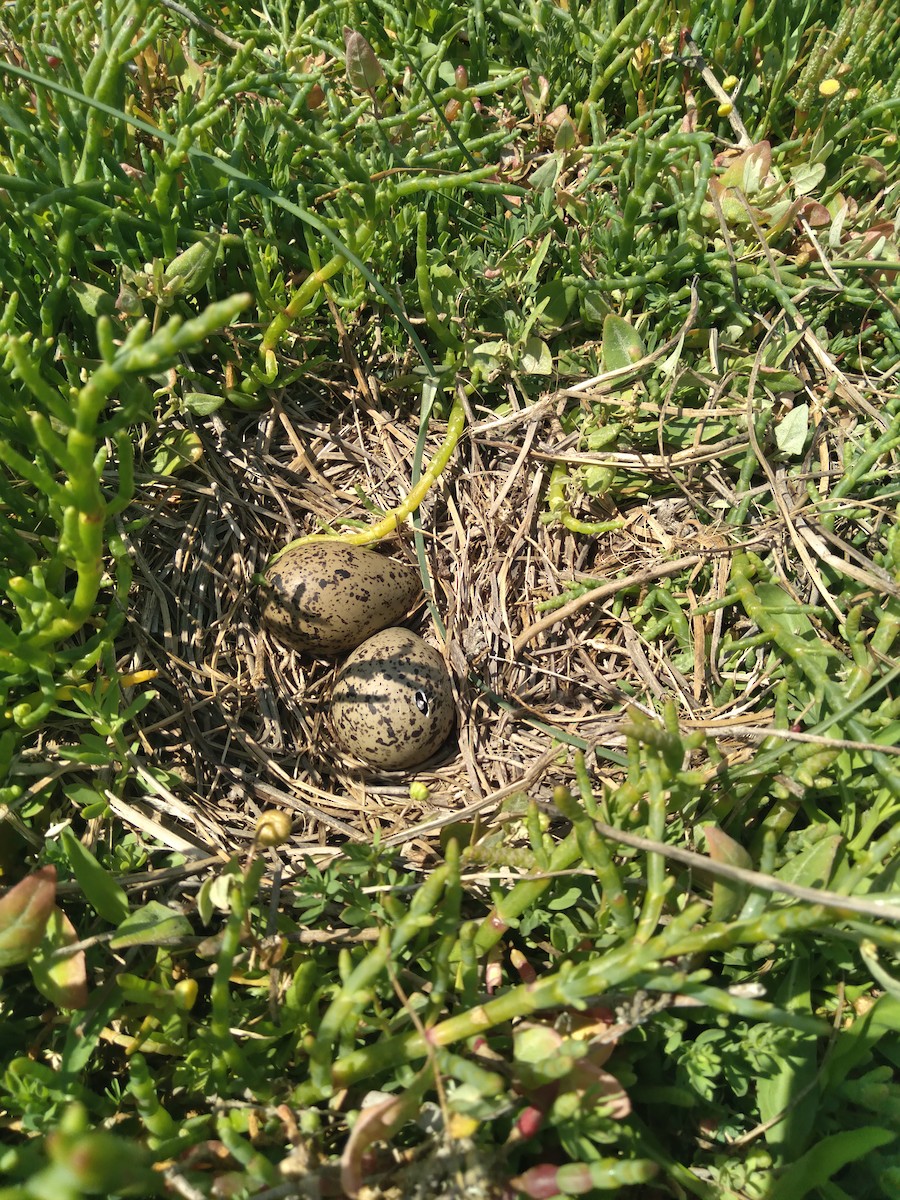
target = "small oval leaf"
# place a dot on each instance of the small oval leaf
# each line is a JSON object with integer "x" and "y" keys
{"x": 101, "y": 891}
{"x": 364, "y": 70}
{"x": 792, "y": 431}
{"x": 151, "y": 925}
{"x": 62, "y": 980}
{"x": 622, "y": 345}
{"x": 24, "y": 912}
{"x": 728, "y": 895}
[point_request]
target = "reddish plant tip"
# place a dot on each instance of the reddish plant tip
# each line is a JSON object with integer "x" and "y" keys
{"x": 524, "y": 968}
{"x": 540, "y": 1183}
{"x": 529, "y": 1121}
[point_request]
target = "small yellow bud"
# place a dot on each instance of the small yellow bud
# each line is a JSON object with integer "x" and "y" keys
{"x": 726, "y": 109}
{"x": 829, "y": 87}
{"x": 185, "y": 993}
{"x": 729, "y": 82}
{"x": 419, "y": 791}
{"x": 273, "y": 828}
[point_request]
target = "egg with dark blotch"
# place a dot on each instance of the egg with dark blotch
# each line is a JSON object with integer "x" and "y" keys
{"x": 392, "y": 704}
{"x": 325, "y": 597}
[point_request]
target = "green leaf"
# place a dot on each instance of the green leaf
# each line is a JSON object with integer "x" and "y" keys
{"x": 777, "y": 380}
{"x": 792, "y": 431}
{"x": 542, "y": 1055}
{"x": 785, "y": 1090}
{"x": 566, "y": 135}
{"x": 92, "y": 300}
{"x": 24, "y": 912}
{"x": 813, "y": 866}
{"x": 594, "y": 307}
{"x": 622, "y": 345}
{"x": 537, "y": 260}
{"x": 189, "y": 271}
{"x": 489, "y": 358}
{"x": 728, "y": 894}
{"x": 826, "y": 1158}
{"x": 568, "y": 899}
{"x": 806, "y": 177}
{"x": 546, "y": 175}
{"x": 364, "y": 71}
{"x": 88, "y": 800}
{"x": 536, "y": 358}
{"x": 748, "y": 170}
{"x": 62, "y": 980}
{"x": 179, "y": 450}
{"x": 101, "y": 891}
{"x": 202, "y": 404}
{"x": 151, "y": 925}
{"x": 557, "y": 302}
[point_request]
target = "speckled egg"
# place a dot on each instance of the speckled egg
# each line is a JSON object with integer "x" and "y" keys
{"x": 392, "y": 705}
{"x": 325, "y": 597}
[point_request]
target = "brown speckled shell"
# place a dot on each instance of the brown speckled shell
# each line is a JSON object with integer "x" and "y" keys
{"x": 392, "y": 705}
{"x": 326, "y": 597}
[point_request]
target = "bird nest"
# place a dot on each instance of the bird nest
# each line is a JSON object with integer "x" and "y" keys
{"x": 239, "y": 724}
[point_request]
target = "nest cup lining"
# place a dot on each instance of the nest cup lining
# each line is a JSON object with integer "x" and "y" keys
{"x": 241, "y": 723}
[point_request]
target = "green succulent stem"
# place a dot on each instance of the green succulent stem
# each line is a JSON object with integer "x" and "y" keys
{"x": 684, "y": 935}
